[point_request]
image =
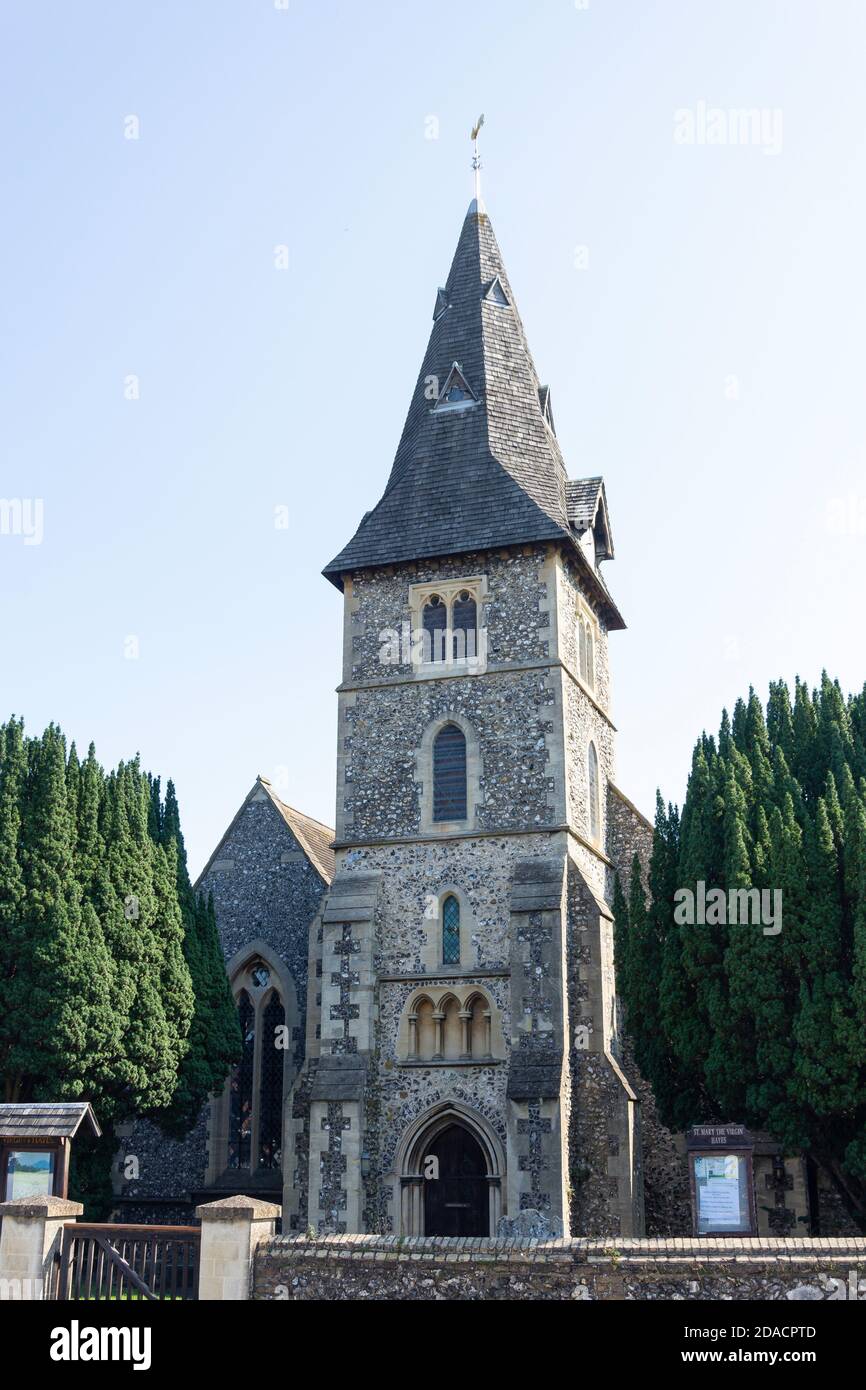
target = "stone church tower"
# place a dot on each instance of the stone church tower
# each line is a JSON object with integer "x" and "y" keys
{"x": 462, "y": 1055}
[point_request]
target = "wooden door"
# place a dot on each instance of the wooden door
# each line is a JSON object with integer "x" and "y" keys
{"x": 457, "y": 1203}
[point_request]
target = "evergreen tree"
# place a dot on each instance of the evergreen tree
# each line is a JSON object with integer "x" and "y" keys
{"x": 56, "y": 1019}
{"x": 214, "y": 1037}
{"x": 112, "y": 983}
{"x": 13, "y": 986}
{"x": 754, "y": 1024}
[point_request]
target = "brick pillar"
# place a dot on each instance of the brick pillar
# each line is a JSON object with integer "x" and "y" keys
{"x": 230, "y": 1231}
{"x": 29, "y": 1238}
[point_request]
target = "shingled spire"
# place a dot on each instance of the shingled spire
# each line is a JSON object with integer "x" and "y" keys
{"x": 479, "y": 468}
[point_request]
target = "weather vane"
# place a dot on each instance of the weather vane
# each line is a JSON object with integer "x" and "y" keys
{"x": 476, "y": 158}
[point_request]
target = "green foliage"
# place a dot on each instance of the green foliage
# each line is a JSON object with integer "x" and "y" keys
{"x": 112, "y": 984}
{"x": 731, "y": 1022}
{"x": 214, "y": 1037}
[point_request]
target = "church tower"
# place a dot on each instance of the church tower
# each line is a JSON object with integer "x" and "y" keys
{"x": 462, "y": 1045}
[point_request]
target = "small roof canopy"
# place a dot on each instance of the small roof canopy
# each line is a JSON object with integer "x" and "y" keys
{"x": 46, "y": 1119}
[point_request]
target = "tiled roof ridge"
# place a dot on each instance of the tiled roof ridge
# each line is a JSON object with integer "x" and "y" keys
{"x": 266, "y": 781}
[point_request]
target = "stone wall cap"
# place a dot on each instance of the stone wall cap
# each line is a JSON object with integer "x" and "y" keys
{"x": 50, "y": 1207}
{"x": 604, "y": 1250}
{"x": 229, "y": 1208}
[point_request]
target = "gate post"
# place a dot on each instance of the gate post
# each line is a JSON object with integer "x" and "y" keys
{"x": 230, "y": 1231}
{"x": 29, "y": 1237}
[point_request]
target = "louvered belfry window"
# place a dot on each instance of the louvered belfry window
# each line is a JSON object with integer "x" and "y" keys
{"x": 451, "y": 931}
{"x": 464, "y": 622}
{"x": 435, "y": 624}
{"x": 449, "y": 774}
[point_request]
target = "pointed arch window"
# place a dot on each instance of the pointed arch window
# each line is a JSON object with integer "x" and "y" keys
{"x": 435, "y": 624}
{"x": 256, "y": 1084}
{"x": 271, "y": 1089}
{"x": 451, "y": 931}
{"x": 464, "y": 625}
{"x": 241, "y": 1088}
{"x": 587, "y": 645}
{"x": 594, "y": 808}
{"x": 449, "y": 615}
{"x": 449, "y": 774}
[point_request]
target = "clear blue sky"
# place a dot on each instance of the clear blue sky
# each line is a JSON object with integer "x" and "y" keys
{"x": 741, "y": 552}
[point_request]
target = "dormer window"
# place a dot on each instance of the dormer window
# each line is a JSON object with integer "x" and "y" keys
{"x": 495, "y": 294}
{"x": 441, "y": 305}
{"x": 546, "y": 409}
{"x": 456, "y": 393}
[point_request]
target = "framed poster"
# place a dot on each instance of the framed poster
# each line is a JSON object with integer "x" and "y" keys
{"x": 721, "y": 1193}
{"x": 29, "y": 1172}
{"x": 720, "y": 1175}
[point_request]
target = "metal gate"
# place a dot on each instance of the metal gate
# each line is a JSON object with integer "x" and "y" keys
{"x": 99, "y": 1262}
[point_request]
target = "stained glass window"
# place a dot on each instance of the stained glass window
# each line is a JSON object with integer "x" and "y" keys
{"x": 241, "y": 1089}
{"x": 451, "y": 931}
{"x": 449, "y": 774}
{"x": 271, "y": 1094}
{"x": 260, "y": 975}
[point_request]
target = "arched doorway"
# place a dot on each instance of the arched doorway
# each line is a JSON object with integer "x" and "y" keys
{"x": 456, "y": 1201}
{"x": 461, "y": 1148}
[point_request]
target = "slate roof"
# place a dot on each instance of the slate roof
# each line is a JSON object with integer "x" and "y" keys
{"x": 46, "y": 1119}
{"x": 480, "y": 475}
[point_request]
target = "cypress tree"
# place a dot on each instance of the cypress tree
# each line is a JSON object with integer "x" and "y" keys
{"x": 768, "y": 1027}
{"x": 13, "y": 778}
{"x": 57, "y": 1016}
{"x": 214, "y": 1038}
{"x": 98, "y": 929}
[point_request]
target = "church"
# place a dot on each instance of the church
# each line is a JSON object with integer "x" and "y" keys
{"x": 426, "y": 992}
